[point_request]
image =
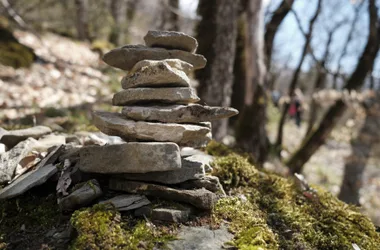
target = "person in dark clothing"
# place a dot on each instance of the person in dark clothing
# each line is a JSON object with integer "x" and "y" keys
{"x": 295, "y": 110}
{"x": 298, "y": 112}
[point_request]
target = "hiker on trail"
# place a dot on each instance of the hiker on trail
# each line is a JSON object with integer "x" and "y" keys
{"x": 295, "y": 110}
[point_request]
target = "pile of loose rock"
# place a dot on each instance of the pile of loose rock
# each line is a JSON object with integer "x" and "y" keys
{"x": 159, "y": 116}
{"x": 162, "y": 126}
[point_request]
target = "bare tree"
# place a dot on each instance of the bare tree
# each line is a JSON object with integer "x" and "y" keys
{"x": 296, "y": 73}
{"x": 364, "y": 65}
{"x": 272, "y": 26}
{"x": 346, "y": 43}
{"x": 361, "y": 148}
{"x": 119, "y": 14}
{"x": 216, "y": 34}
{"x": 82, "y": 19}
{"x": 320, "y": 80}
{"x": 251, "y": 134}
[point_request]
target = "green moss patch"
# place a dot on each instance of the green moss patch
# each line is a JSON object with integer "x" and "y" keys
{"x": 247, "y": 222}
{"x": 297, "y": 220}
{"x": 101, "y": 227}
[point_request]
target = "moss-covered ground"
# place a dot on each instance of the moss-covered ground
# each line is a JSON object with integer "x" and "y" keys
{"x": 275, "y": 213}
{"x": 102, "y": 227}
{"x": 263, "y": 211}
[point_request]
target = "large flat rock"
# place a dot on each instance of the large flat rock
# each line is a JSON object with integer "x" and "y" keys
{"x": 164, "y": 73}
{"x": 182, "y": 134}
{"x": 200, "y": 198}
{"x": 171, "y": 40}
{"x": 190, "y": 170}
{"x": 12, "y": 137}
{"x": 192, "y": 113}
{"x": 130, "y": 158}
{"x": 127, "y": 56}
{"x": 153, "y": 95}
{"x": 201, "y": 238}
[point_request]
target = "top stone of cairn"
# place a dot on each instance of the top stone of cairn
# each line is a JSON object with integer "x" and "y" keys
{"x": 171, "y": 40}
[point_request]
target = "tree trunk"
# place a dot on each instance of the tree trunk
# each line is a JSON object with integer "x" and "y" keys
{"x": 169, "y": 19}
{"x": 238, "y": 89}
{"x": 361, "y": 149}
{"x": 173, "y": 17}
{"x": 365, "y": 63}
{"x": 216, "y": 34}
{"x": 82, "y": 19}
{"x": 296, "y": 74}
{"x": 119, "y": 14}
{"x": 251, "y": 134}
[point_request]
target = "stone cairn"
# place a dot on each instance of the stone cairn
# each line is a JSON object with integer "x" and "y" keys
{"x": 159, "y": 117}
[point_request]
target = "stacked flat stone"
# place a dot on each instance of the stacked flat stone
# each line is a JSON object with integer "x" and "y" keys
{"x": 158, "y": 101}
{"x": 159, "y": 113}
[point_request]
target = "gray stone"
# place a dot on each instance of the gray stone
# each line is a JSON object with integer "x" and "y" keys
{"x": 37, "y": 176}
{"x": 127, "y": 56}
{"x": 127, "y": 202}
{"x": 48, "y": 141}
{"x": 171, "y": 40}
{"x": 200, "y": 198}
{"x": 201, "y": 238}
{"x": 192, "y": 113}
{"x": 165, "y": 214}
{"x": 130, "y": 158}
{"x": 155, "y": 95}
{"x": 10, "y": 159}
{"x": 83, "y": 196}
{"x": 165, "y": 73}
{"x": 12, "y": 137}
{"x": 190, "y": 170}
{"x": 210, "y": 183}
{"x": 182, "y": 134}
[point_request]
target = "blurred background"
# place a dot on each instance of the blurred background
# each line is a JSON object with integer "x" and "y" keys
{"x": 304, "y": 75}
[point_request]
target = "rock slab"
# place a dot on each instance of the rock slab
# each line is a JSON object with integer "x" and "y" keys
{"x": 164, "y": 214}
{"x": 190, "y": 170}
{"x": 182, "y": 134}
{"x": 210, "y": 183}
{"x": 200, "y": 198}
{"x": 82, "y": 196}
{"x": 171, "y": 40}
{"x": 127, "y": 202}
{"x": 155, "y": 95}
{"x": 12, "y": 137}
{"x": 192, "y": 113}
{"x": 127, "y": 56}
{"x": 130, "y": 158}
{"x": 165, "y": 73}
